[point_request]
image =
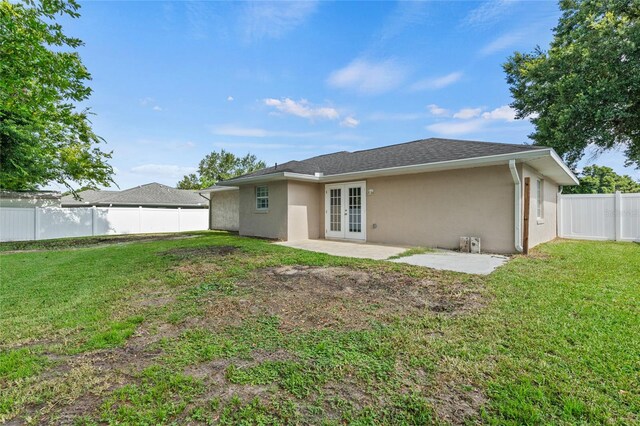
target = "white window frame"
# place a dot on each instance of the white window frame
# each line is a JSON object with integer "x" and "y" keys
{"x": 263, "y": 197}
{"x": 540, "y": 200}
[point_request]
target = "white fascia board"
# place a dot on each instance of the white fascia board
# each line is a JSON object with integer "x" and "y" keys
{"x": 564, "y": 167}
{"x": 270, "y": 178}
{"x": 218, "y": 189}
{"x": 416, "y": 168}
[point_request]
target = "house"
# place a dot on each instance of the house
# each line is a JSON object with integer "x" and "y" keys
{"x": 21, "y": 199}
{"x": 148, "y": 195}
{"x": 426, "y": 193}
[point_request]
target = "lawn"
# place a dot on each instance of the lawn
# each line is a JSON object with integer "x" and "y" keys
{"x": 212, "y": 328}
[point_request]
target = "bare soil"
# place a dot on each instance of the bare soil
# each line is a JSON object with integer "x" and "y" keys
{"x": 190, "y": 252}
{"x": 343, "y": 298}
{"x": 67, "y": 243}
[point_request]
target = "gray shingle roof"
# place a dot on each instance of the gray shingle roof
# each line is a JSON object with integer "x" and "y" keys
{"x": 151, "y": 194}
{"x": 423, "y": 151}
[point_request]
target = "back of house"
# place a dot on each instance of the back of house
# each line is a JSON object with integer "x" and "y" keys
{"x": 426, "y": 193}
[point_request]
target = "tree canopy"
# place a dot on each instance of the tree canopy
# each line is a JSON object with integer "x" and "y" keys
{"x": 44, "y": 137}
{"x": 585, "y": 90}
{"x": 602, "y": 180}
{"x": 218, "y": 166}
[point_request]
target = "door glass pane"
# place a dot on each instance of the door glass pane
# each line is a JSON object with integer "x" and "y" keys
{"x": 355, "y": 209}
{"x": 335, "y": 207}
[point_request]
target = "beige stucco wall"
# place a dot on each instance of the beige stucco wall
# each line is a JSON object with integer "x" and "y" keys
{"x": 435, "y": 209}
{"x": 224, "y": 210}
{"x": 429, "y": 209}
{"x": 268, "y": 224}
{"x": 544, "y": 230}
{"x": 303, "y": 210}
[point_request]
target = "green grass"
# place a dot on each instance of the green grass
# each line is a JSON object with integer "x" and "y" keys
{"x": 557, "y": 340}
{"x": 412, "y": 251}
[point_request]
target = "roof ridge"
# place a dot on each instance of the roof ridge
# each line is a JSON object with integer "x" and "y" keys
{"x": 447, "y": 139}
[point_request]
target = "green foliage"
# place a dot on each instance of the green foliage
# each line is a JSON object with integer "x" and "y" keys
{"x": 602, "y": 180}
{"x": 20, "y": 363}
{"x": 115, "y": 334}
{"x": 586, "y": 88}
{"x": 160, "y": 396}
{"x": 43, "y": 136}
{"x": 219, "y": 166}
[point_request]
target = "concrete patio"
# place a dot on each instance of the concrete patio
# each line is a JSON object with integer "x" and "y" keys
{"x": 446, "y": 260}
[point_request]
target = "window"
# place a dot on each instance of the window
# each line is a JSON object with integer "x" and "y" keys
{"x": 540, "y": 198}
{"x": 262, "y": 197}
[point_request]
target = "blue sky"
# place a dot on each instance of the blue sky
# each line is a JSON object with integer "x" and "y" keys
{"x": 175, "y": 80}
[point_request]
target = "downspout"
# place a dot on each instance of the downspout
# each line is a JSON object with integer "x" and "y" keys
{"x": 518, "y": 205}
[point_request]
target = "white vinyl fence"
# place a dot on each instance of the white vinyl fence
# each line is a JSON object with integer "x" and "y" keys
{"x": 22, "y": 224}
{"x": 599, "y": 216}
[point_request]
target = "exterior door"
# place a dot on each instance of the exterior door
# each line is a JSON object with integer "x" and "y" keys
{"x": 345, "y": 211}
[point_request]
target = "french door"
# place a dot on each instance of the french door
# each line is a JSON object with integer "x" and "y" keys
{"x": 345, "y": 211}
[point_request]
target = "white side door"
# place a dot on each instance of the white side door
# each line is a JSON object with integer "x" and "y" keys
{"x": 345, "y": 211}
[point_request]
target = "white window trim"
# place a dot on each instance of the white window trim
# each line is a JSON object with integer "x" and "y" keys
{"x": 262, "y": 209}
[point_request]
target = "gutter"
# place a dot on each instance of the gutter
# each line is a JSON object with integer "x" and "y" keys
{"x": 518, "y": 206}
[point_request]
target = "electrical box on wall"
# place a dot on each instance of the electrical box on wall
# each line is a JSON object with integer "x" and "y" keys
{"x": 475, "y": 244}
{"x": 464, "y": 244}
{"x": 470, "y": 244}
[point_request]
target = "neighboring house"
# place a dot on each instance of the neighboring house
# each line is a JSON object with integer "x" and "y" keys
{"x": 425, "y": 193}
{"x": 29, "y": 199}
{"x": 148, "y": 195}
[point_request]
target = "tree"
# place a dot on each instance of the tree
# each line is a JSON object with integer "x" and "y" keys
{"x": 602, "y": 180}
{"x": 219, "y": 166}
{"x": 585, "y": 90}
{"x": 43, "y": 136}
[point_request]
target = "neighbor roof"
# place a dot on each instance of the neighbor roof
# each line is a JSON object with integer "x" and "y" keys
{"x": 420, "y": 152}
{"x": 151, "y": 194}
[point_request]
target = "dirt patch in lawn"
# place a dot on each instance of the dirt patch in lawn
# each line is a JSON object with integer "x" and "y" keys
{"x": 343, "y": 298}
{"x": 191, "y": 252}
{"x": 457, "y": 403}
{"x": 72, "y": 243}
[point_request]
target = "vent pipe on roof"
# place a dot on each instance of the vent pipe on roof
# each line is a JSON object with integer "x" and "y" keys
{"x": 517, "y": 205}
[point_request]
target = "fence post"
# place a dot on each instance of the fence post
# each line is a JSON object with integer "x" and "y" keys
{"x": 617, "y": 215}
{"x": 139, "y": 219}
{"x": 179, "y": 222}
{"x": 36, "y": 223}
{"x": 93, "y": 221}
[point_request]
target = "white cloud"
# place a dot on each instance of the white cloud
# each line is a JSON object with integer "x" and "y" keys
{"x": 437, "y": 111}
{"x": 162, "y": 170}
{"x": 437, "y": 82}
{"x": 302, "y": 109}
{"x": 405, "y": 15}
{"x": 368, "y": 77}
{"x": 349, "y": 122}
{"x": 230, "y": 98}
{"x": 467, "y": 113}
{"x": 487, "y": 13}
{"x": 148, "y": 102}
{"x": 385, "y": 116}
{"x": 274, "y": 19}
{"x": 504, "y": 112}
{"x": 255, "y": 132}
{"x": 470, "y": 120}
{"x": 457, "y": 127}
{"x": 503, "y": 42}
